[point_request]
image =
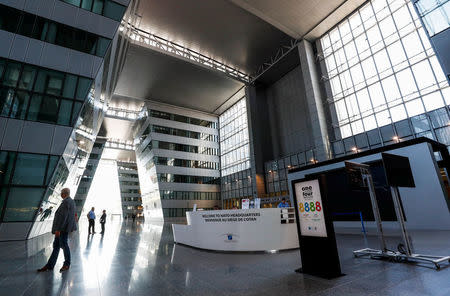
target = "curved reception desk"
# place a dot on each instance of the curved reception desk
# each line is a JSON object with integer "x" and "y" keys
{"x": 239, "y": 230}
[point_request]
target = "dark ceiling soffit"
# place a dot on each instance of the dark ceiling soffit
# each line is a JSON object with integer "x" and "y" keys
{"x": 286, "y": 49}
{"x": 285, "y": 65}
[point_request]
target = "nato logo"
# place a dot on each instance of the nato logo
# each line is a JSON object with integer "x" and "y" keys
{"x": 230, "y": 237}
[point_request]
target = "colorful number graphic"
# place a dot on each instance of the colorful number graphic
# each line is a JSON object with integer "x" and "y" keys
{"x": 310, "y": 207}
{"x": 318, "y": 207}
{"x": 301, "y": 208}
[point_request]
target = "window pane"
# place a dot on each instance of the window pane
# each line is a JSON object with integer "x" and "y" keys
{"x": 12, "y": 74}
{"x": 27, "y": 77}
{"x": 423, "y": 74}
{"x": 406, "y": 82}
{"x": 390, "y": 89}
{"x": 70, "y": 84}
{"x": 29, "y": 169}
{"x": 97, "y": 7}
{"x": 102, "y": 46}
{"x": 20, "y": 104}
{"x": 26, "y": 25}
{"x": 6, "y": 166}
{"x": 114, "y": 10}
{"x": 64, "y": 112}
{"x": 86, "y": 4}
{"x": 84, "y": 85}
{"x": 22, "y": 204}
{"x": 6, "y": 101}
{"x": 433, "y": 101}
{"x": 414, "y": 107}
{"x": 398, "y": 113}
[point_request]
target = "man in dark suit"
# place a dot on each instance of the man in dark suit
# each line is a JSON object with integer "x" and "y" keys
{"x": 103, "y": 221}
{"x": 63, "y": 223}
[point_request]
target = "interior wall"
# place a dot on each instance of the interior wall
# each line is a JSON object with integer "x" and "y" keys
{"x": 288, "y": 115}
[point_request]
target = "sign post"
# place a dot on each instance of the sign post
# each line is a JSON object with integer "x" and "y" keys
{"x": 315, "y": 228}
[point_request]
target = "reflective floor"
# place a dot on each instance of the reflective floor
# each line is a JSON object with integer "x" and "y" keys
{"x": 141, "y": 259}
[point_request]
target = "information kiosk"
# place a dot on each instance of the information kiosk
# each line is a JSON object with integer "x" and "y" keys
{"x": 315, "y": 228}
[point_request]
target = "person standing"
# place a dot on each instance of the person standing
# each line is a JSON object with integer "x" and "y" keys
{"x": 283, "y": 204}
{"x": 103, "y": 221}
{"x": 63, "y": 224}
{"x": 91, "y": 217}
{"x": 133, "y": 217}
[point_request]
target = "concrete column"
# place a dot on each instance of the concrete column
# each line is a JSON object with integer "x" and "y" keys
{"x": 311, "y": 80}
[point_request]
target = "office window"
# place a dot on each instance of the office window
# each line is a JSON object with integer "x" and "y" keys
{"x": 392, "y": 75}
{"x": 30, "y": 169}
{"x": 22, "y": 204}
{"x": 29, "y": 25}
{"x": 107, "y": 8}
{"x": 34, "y": 93}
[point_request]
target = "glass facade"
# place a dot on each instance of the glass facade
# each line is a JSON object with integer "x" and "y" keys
{"x": 23, "y": 180}
{"x": 435, "y": 15}
{"x": 171, "y": 178}
{"x": 30, "y": 25}
{"x": 182, "y": 147}
{"x": 187, "y": 163}
{"x": 234, "y": 139}
{"x": 39, "y": 94}
{"x": 182, "y": 118}
{"x": 381, "y": 69}
{"x": 238, "y": 184}
{"x": 183, "y": 133}
{"x": 189, "y": 195}
{"x": 107, "y": 8}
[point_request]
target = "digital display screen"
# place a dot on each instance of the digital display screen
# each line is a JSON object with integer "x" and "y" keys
{"x": 310, "y": 210}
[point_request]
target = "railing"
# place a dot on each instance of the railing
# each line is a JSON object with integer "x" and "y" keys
{"x": 165, "y": 45}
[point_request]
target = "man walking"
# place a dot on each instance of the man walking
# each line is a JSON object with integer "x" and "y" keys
{"x": 91, "y": 217}
{"x": 63, "y": 224}
{"x": 103, "y": 221}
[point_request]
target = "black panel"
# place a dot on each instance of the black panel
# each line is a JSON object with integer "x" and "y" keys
{"x": 343, "y": 198}
{"x": 398, "y": 170}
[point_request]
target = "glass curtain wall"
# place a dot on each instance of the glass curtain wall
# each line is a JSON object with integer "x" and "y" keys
{"x": 381, "y": 68}
{"x": 234, "y": 139}
{"x": 435, "y": 15}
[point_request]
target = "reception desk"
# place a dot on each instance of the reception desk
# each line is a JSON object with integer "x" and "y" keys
{"x": 239, "y": 230}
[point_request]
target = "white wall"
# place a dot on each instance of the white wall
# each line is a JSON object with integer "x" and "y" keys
{"x": 425, "y": 205}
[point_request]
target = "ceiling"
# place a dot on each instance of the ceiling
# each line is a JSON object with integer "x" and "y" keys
{"x": 114, "y": 128}
{"x": 149, "y": 74}
{"x": 216, "y": 28}
{"x": 300, "y": 18}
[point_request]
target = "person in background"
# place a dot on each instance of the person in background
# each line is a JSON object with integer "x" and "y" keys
{"x": 133, "y": 217}
{"x": 103, "y": 221}
{"x": 63, "y": 223}
{"x": 283, "y": 203}
{"x": 91, "y": 217}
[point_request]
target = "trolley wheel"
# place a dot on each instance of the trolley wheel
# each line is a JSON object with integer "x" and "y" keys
{"x": 437, "y": 266}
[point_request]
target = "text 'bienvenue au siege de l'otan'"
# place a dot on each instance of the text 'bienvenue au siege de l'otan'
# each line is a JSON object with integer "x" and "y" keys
{"x": 234, "y": 217}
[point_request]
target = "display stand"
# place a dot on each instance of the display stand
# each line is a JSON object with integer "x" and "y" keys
{"x": 398, "y": 174}
{"x": 315, "y": 228}
{"x": 360, "y": 177}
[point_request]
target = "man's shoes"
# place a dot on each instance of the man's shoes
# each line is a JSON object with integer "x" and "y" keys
{"x": 64, "y": 268}
{"x": 45, "y": 268}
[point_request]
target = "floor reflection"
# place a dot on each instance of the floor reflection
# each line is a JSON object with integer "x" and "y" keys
{"x": 141, "y": 259}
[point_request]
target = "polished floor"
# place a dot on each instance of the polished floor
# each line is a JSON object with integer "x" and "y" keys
{"x": 141, "y": 259}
